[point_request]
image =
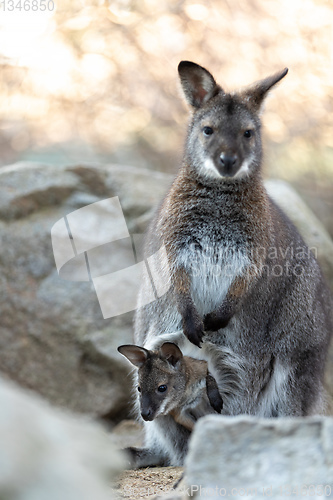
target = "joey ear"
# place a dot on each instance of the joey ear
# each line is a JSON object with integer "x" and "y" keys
{"x": 256, "y": 93}
{"x": 171, "y": 353}
{"x": 198, "y": 84}
{"x": 135, "y": 354}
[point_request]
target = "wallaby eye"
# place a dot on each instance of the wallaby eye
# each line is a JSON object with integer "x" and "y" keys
{"x": 162, "y": 388}
{"x": 139, "y": 388}
{"x": 207, "y": 131}
{"x": 248, "y": 134}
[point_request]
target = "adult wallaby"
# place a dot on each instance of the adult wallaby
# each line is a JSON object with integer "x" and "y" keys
{"x": 172, "y": 384}
{"x": 237, "y": 267}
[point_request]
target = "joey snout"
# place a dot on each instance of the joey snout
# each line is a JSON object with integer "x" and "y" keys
{"x": 147, "y": 414}
{"x": 147, "y": 407}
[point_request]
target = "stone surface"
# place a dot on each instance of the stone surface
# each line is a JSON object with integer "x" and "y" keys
{"x": 53, "y": 336}
{"x": 26, "y": 187}
{"x": 128, "y": 433}
{"x": 49, "y": 454}
{"x": 244, "y": 456}
{"x": 319, "y": 198}
{"x": 138, "y": 189}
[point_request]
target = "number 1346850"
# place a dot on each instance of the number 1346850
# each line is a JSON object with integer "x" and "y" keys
{"x": 27, "y": 5}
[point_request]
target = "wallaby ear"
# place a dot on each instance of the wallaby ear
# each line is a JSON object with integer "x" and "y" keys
{"x": 171, "y": 353}
{"x": 256, "y": 93}
{"x": 198, "y": 84}
{"x": 135, "y": 354}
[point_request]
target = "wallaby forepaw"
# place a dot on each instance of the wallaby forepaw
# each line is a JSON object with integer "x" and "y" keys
{"x": 214, "y": 321}
{"x": 213, "y": 393}
{"x": 194, "y": 332}
{"x": 195, "y": 336}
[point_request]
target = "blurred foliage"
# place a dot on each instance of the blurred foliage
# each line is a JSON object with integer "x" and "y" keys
{"x": 99, "y": 78}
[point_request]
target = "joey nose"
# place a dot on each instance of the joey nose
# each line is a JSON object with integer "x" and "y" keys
{"x": 228, "y": 161}
{"x": 147, "y": 414}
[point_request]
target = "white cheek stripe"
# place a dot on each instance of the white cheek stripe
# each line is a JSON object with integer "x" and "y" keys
{"x": 210, "y": 169}
{"x": 244, "y": 170}
{"x": 161, "y": 410}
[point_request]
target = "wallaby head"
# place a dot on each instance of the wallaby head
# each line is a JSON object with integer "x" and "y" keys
{"x": 161, "y": 377}
{"x": 224, "y": 141}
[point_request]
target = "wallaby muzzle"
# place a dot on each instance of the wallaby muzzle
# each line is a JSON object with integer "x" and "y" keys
{"x": 228, "y": 164}
{"x": 147, "y": 414}
{"x": 148, "y": 411}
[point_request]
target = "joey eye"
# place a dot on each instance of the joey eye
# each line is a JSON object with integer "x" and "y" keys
{"x": 248, "y": 134}
{"x": 139, "y": 388}
{"x": 162, "y": 388}
{"x": 207, "y": 131}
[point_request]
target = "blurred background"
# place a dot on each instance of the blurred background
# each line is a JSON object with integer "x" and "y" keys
{"x": 96, "y": 81}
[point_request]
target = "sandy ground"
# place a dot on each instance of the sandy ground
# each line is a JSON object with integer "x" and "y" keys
{"x": 142, "y": 483}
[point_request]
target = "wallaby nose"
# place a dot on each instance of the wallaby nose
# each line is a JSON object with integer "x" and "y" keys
{"x": 228, "y": 161}
{"x": 147, "y": 414}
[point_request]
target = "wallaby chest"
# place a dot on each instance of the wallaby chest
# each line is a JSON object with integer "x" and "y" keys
{"x": 210, "y": 237}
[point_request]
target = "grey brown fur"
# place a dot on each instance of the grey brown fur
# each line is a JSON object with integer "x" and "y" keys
{"x": 174, "y": 385}
{"x": 245, "y": 293}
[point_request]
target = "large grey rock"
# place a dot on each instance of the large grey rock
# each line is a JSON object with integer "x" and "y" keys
{"x": 26, "y": 187}
{"x": 48, "y": 454}
{"x": 53, "y": 336}
{"x": 138, "y": 189}
{"x": 244, "y": 456}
